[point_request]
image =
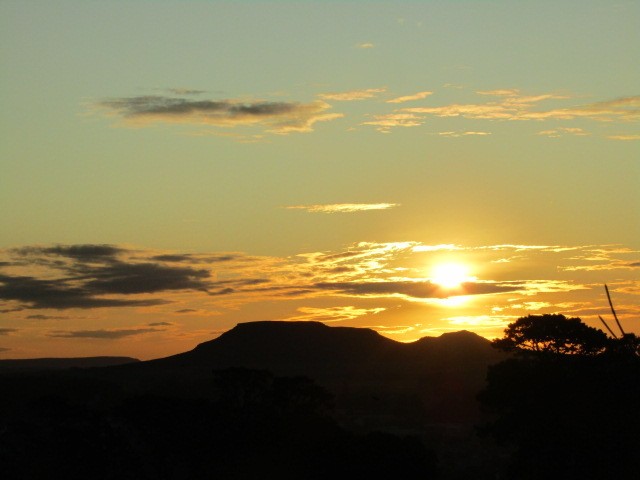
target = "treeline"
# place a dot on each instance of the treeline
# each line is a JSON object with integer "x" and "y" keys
{"x": 253, "y": 426}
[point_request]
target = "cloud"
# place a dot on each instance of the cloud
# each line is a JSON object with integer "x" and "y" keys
{"x": 4, "y": 349}
{"x": 413, "y": 289}
{"x": 114, "y": 334}
{"x": 628, "y": 137}
{"x": 333, "y": 314}
{"x": 130, "y": 278}
{"x": 343, "y": 207}
{"x": 273, "y": 117}
{"x": 563, "y": 131}
{"x": 46, "y": 317}
{"x": 511, "y": 92}
{"x": 462, "y": 134}
{"x": 185, "y": 91}
{"x": 192, "y": 258}
{"x": 59, "y": 294}
{"x": 352, "y": 95}
{"x": 81, "y": 252}
{"x": 7, "y": 331}
{"x": 91, "y": 275}
{"x": 160, "y": 324}
{"x": 409, "y": 98}
{"x": 392, "y": 330}
{"x": 365, "y": 45}
{"x": 513, "y": 106}
{"x": 391, "y": 120}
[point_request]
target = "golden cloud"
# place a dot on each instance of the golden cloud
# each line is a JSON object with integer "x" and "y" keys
{"x": 352, "y": 95}
{"x": 408, "y": 98}
{"x": 343, "y": 207}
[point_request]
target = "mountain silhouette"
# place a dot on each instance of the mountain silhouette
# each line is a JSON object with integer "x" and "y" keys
{"x": 371, "y": 377}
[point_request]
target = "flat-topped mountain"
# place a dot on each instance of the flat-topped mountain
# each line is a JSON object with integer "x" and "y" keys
{"x": 434, "y": 376}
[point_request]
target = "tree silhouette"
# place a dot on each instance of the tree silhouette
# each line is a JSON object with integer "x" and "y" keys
{"x": 567, "y": 403}
{"x": 552, "y": 333}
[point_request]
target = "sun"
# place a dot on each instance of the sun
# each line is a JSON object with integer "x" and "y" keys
{"x": 450, "y": 275}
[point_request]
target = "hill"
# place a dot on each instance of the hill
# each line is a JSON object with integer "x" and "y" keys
{"x": 376, "y": 382}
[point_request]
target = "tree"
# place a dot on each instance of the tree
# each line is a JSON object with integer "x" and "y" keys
{"x": 566, "y": 405}
{"x": 554, "y": 334}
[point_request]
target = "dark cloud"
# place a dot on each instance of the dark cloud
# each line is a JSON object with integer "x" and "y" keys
{"x": 158, "y": 105}
{"x": 132, "y": 278}
{"x": 189, "y": 258}
{"x": 224, "y": 291}
{"x": 160, "y": 324}
{"x": 278, "y": 117}
{"x": 88, "y": 273}
{"x": 59, "y": 294}
{"x": 4, "y": 349}
{"x": 185, "y": 91}
{"x": 186, "y": 310}
{"x": 412, "y": 289}
{"x": 635, "y": 264}
{"x": 10, "y": 310}
{"x": 7, "y": 331}
{"x": 102, "y": 334}
{"x": 79, "y": 252}
{"x": 46, "y": 317}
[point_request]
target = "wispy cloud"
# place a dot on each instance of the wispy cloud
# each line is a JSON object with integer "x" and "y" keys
{"x": 385, "y": 123}
{"x": 7, "y": 331}
{"x": 626, "y": 137}
{"x": 272, "y": 117}
{"x": 409, "y": 98}
{"x": 185, "y": 91}
{"x": 507, "y": 92}
{"x": 414, "y": 289}
{"x": 564, "y": 131}
{"x": 463, "y": 134}
{"x": 343, "y": 207}
{"x": 513, "y": 106}
{"x": 390, "y": 280}
{"x": 365, "y": 45}
{"x": 113, "y": 334}
{"x": 332, "y": 314}
{"x": 352, "y": 95}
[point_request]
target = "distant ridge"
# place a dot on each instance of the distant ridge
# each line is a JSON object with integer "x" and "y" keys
{"x": 31, "y": 364}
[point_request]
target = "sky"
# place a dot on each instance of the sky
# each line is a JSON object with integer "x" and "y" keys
{"x": 171, "y": 169}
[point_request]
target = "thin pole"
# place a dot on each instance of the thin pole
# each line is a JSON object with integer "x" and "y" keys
{"x": 605, "y": 324}
{"x": 613, "y": 310}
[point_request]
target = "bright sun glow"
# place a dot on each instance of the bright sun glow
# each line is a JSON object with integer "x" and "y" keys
{"x": 450, "y": 275}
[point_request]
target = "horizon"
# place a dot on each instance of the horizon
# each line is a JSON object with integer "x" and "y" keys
{"x": 172, "y": 170}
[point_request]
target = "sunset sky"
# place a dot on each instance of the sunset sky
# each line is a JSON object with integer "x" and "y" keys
{"x": 170, "y": 169}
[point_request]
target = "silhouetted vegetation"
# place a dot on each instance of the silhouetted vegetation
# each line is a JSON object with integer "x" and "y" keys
{"x": 253, "y": 425}
{"x": 567, "y": 402}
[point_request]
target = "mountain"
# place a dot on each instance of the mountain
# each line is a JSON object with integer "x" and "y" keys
{"x": 434, "y": 379}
